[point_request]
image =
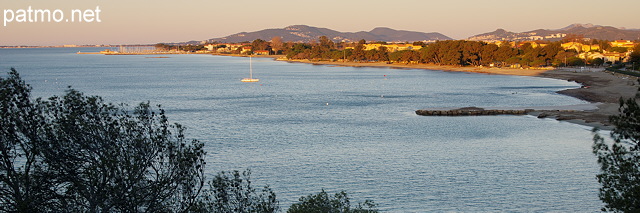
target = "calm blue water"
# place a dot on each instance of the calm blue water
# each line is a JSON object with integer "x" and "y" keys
{"x": 304, "y": 127}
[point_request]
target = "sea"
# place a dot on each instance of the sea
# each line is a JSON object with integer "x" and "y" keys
{"x": 305, "y": 128}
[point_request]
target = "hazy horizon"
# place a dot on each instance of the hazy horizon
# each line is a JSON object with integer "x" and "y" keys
{"x": 143, "y": 22}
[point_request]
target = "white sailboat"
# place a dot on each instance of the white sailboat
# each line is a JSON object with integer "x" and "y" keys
{"x": 250, "y": 78}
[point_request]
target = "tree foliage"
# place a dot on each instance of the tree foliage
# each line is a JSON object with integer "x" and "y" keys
{"x": 447, "y": 52}
{"x": 188, "y": 48}
{"x": 634, "y": 57}
{"x": 109, "y": 159}
{"x": 620, "y": 161}
{"x": 298, "y": 51}
{"x": 233, "y": 193}
{"x": 259, "y": 44}
{"x": 324, "y": 203}
{"x": 26, "y": 182}
{"x": 277, "y": 45}
{"x": 618, "y": 49}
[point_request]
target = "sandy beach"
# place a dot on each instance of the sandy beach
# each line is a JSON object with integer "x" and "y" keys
{"x": 601, "y": 88}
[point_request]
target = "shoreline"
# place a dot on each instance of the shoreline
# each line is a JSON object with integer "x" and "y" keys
{"x": 446, "y": 68}
{"x": 601, "y": 88}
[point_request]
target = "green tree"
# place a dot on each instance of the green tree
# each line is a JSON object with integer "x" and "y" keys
{"x": 233, "y": 193}
{"x": 324, "y": 203}
{"x": 382, "y": 54}
{"x": 259, "y": 44}
{"x": 108, "y": 159}
{"x": 326, "y": 43}
{"x": 620, "y": 161}
{"x": 162, "y": 47}
{"x": 575, "y": 61}
{"x": 634, "y": 57}
{"x": 340, "y": 54}
{"x": 472, "y": 53}
{"x": 513, "y": 60}
{"x": 538, "y": 63}
{"x": 562, "y": 58}
{"x": 550, "y": 52}
{"x": 409, "y": 56}
{"x": 488, "y": 54}
{"x": 505, "y": 52}
{"x": 298, "y": 51}
{"x": 371, "y": 55}
{"x": 26, "y": 183}
{"x": 321, "y": 49}
{"x": 453, "y": 54}
{"x": 604, "y": 44}
{"x": 419, "y": 43}
{"x": 618, "y": 49}
{"x": 596, "y": 61}
{"x": 358, "y": 53}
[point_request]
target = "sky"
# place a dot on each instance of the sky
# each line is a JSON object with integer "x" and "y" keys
{"x": 156, "y": 21}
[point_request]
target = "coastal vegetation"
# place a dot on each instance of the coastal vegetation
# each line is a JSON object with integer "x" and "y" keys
{"x": 620, "y": 161}
{"x": 185, "y": 48}
{"x": 76, "y": 153}
{"x": 451, "y": 52}
{"x": 325, "y": 203}
{"x": 571, "y": 51}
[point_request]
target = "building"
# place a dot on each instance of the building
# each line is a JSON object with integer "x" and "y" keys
{"x": 510, "y": 43}
{"x": 591, "y": 55}
{"x": 400, "y": 47}
{"x": 533, "y": 44}
{"x": 555, "y": 36}
{"x": 623, "y": 43}
{"x": 210, "y": 47}
{"x": 245, "y": 49}
{"x": 579, "y": 47}
{"x": 390, "y": 47}
{"x": 613, "y": 56}
{"x": 262, "y": 52}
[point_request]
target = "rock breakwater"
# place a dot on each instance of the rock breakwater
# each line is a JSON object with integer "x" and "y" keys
{"x": 472, "y": 111}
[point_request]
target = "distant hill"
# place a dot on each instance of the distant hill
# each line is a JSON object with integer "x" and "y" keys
{"x": 304, "y": 33}
{"x": 586, "y": 30}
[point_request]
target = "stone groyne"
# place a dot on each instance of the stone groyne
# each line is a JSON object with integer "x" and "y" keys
{"x": 472, "y": 111}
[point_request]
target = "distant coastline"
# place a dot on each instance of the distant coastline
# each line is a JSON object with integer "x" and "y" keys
{"x": 73, "y": 46}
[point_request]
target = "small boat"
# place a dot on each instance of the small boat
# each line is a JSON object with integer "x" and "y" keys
{"x": 250, "y": 78}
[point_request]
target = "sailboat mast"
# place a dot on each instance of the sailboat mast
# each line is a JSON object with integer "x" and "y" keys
{"x": 250, "y": 79}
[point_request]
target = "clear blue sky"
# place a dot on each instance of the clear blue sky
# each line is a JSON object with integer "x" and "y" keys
{"x": 154, "y": 21}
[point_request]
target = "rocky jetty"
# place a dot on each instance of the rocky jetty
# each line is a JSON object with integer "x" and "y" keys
{"x": 472, "y": 111}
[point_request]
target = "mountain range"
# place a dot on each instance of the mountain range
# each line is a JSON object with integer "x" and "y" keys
{"x": 304, "y": 33}
{"x": 585, "y": 30}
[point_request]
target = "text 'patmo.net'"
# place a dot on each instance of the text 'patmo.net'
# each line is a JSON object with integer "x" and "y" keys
{"x": 30, "y": 15}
